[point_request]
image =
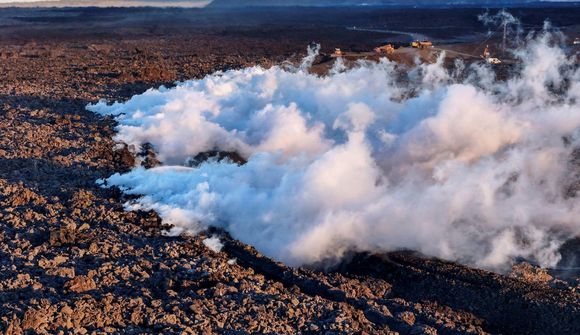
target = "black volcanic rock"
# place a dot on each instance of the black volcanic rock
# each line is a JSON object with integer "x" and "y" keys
{"x": 72, "y": 260}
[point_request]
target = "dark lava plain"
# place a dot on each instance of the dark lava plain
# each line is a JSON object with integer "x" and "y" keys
{"x": 73, "y": 261}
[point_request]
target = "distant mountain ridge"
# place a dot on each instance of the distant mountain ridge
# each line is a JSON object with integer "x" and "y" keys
{"x": 397, "y": 3}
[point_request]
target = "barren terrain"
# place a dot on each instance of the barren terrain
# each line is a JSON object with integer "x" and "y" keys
{"x": 73, "y": 261}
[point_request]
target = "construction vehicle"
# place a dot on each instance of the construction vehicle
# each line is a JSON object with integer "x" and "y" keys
{"x": 486, "y": 55}
{"x": 385, "y": 49}
{"x": 422, "y": 44}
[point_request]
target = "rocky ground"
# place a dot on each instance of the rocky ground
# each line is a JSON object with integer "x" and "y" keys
{"x": 73, "y": 261}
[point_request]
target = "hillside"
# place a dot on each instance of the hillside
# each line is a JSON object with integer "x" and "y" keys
{"x": 394, "y": 3}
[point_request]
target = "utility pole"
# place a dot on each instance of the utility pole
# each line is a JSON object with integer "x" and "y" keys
{"x": 504, "y": 44}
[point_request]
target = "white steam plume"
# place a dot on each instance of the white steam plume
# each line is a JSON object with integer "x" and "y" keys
{"x": 474, "y": 171}
{"x": 500, "y": 18}
{"x": 511, "y": 25}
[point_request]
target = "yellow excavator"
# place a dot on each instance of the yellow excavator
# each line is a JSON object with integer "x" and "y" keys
{"x": 422, "y": 44}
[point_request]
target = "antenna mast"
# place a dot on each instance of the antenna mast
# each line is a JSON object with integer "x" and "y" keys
{"x": 504, "y": 43}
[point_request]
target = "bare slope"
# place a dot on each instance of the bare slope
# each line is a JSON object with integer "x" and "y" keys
{"x": 71, "y": 259}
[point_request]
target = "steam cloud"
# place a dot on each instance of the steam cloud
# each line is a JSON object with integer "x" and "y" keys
{"x": 368, "y": 158}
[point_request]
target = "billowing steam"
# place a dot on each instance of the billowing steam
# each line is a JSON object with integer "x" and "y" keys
{"x": 506, "y": 23}
{"x": 501, "y": 18}
{"x": 368, "y": 158}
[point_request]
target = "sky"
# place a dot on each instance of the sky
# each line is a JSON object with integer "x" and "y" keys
{"x": 106, "y": 3}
